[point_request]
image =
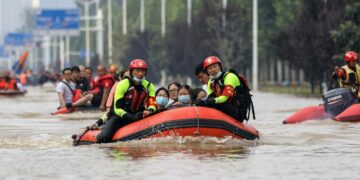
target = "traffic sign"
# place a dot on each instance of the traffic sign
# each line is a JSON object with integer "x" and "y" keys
{"x": 18, "y": 39}
{"x": 58, "y": 22}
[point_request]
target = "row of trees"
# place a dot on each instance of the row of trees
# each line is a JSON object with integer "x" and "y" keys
{"x": 306, "y": 34}
{"x": 319, "y": 36}
{"x": 226, "y": 33}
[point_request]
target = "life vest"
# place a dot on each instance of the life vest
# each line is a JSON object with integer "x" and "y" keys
{"x": 135, "y": 99}
{"x": 99, "y": 81}
{"x": 11, "y": 85}
{"x": 92, "y": 83}
{"x": 2, "y": 83}
{"x": 239, "y": 96}
{"x": 218, "y": 86}
{"x": 349, "y": 74}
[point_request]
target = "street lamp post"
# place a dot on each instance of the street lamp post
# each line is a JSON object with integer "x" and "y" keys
{"x": 124, "y": 17}
{"x": 142, "y": 16}
{"x": 255, "y": 50}
{"x": 86, "y": 4}
{"x": 110, "y": 32}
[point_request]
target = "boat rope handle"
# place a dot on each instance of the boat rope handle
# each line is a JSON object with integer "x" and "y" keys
{"x": 197, "y": 132}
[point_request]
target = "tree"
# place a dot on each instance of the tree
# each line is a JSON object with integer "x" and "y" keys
{"x": 307, "y": 43}
{"x": 347, "y": 37}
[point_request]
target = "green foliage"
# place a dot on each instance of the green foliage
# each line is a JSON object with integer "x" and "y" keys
{"x": 307, "y": 42}
{"x": 311, "y": 35}
{"x": 347, "y": 37}
{"x": 286, "y": 11}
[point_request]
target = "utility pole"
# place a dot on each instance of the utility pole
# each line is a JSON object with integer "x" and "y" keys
{"x": 62, "y": 53}
{"x": 255, "y": 47}
{"x": 100, "y": 34}
{"x": 67, "y": 47}
{"x": 86, "y": 4}
{"x": 224, "y": 13}
{"x": 87, "y": 34}
{"x": 189, "y": 3}
{"x": 124, "y": 17}
{"x": 142, "y": 16}
{"x": 163, "y": 17}
{"x": 110, "y": 49}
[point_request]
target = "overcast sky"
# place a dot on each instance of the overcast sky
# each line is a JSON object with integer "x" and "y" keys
{"x": 12, "y": 12}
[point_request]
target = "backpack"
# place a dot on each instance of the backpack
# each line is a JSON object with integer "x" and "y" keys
{"x": 242, "y": 98}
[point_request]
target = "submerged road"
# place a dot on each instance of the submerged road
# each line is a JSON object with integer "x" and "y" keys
{"x": 36, "y": 145}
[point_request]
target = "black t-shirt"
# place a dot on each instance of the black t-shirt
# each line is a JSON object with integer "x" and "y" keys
{"x": 83, "y": 84}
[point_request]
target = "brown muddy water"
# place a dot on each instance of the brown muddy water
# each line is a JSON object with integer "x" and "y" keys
{"x": 36, "y": 145}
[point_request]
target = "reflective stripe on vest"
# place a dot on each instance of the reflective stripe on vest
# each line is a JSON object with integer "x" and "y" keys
{"x": 346, "y": 83}
{"x": 217, "y": 85}
{"x": 134, "y": 99}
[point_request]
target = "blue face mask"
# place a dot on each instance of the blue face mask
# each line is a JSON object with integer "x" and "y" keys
{"x": 161, "y": 101}
{"x": 216, "y": 76}
{"x": 185, "y": 99}
{"x": 137, "y": 79}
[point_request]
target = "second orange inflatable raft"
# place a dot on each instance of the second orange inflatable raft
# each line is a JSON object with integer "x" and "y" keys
{"x": 184, "y": 121}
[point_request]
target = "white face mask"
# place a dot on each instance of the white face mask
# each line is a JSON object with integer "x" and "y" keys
{"x": 138, "y": 80}
{"x": 216, "y": 76}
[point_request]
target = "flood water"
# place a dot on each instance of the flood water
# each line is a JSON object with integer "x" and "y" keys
{"x": 36, "y": 145}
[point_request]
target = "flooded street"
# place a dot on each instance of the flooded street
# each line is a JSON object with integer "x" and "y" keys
{"x": 36, "y": 145}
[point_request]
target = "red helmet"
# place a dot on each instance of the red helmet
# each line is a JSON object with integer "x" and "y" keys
{"x": 138, "y": 64}
{"x": 351, "y": 56}
{"x": 211, "y": 60}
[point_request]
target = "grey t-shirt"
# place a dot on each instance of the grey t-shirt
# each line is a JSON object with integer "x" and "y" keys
{"x": 63, "y": 88}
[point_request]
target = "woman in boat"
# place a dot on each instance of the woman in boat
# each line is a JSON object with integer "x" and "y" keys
{"x": 184, "y": 95}
{"x": 162, "y": 98}
{"x": 198, "y": 93}
{"x": 173, "y": 89}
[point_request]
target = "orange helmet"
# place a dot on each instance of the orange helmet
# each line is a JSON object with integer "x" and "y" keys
{"x": 211, "y": 60}
{"x": 138, "y": 64}
{"x": 113, "y": 68}
{"x": 351, "y": 56}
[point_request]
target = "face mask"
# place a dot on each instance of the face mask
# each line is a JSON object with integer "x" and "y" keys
{"x": 216, "y": 76}
{"x": 161, "y": 101}
{"x": 185, "y": 99}
{"x": 204, "y": 99}
{"x": 137, "y": 79}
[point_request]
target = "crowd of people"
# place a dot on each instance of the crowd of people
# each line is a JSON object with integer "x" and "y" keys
{"x": 11, "y": 82}
{"x": 127, "y": 96}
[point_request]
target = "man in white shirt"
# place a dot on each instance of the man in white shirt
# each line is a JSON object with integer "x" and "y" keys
{"x": 65, "y": 88}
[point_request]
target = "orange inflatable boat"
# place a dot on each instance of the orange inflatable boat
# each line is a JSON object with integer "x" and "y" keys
{"x": 184, "y": 121}
{"x": 12, "y": 92}
{"x": 339, "y": 104}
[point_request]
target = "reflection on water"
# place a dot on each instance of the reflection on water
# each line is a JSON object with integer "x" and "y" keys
{"x": 198, "y": 147}
{"x": 81, "y": 115}
{"x": 36, "y": 145}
